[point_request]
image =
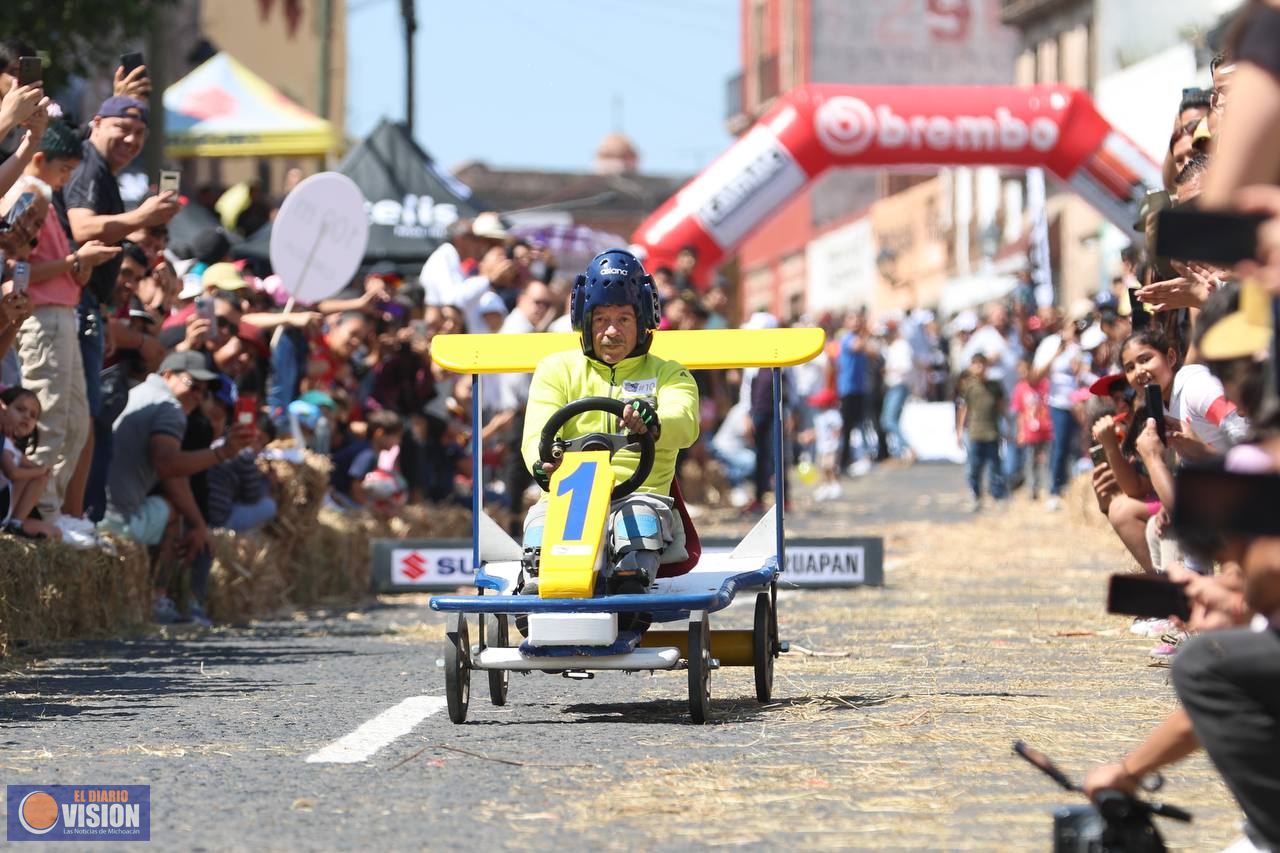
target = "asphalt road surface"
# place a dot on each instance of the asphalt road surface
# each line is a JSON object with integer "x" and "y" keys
{"x": 327, "y": 731}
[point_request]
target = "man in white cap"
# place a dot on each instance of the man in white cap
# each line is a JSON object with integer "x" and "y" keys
{"x": 470, "y": 264}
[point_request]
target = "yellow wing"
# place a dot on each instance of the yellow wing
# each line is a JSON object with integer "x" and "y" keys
{"x": 704, "y": 350}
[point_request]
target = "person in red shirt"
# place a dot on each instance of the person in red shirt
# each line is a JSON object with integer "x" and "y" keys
{"x": 49, "y": 340}
{"x": 1035, "y": 428}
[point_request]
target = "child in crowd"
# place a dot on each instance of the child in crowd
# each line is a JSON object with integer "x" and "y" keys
{"x": 826, "y": 442}
{"x": 382, "y": 434}
{"x": 980, "y": 405}
{"x": 1035, "y": 428}
{"x": 22, "y": 481}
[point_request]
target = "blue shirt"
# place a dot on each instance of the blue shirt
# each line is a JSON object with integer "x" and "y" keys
{"x": 851, "y": 368}
{"x": 288, "y": 364}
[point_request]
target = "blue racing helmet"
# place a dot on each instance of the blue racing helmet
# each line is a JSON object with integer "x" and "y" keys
{"x": 615, "y": 277}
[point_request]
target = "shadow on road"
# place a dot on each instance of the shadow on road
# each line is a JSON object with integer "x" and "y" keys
{"x": 120, "y": 679}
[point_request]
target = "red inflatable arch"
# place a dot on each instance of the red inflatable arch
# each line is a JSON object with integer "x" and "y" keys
{"x": 816, "y": 127}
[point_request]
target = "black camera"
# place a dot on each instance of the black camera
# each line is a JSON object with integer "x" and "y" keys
{"x": 1116, "y": 822}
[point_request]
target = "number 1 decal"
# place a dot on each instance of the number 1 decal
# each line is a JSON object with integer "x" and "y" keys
{"x": 578, "y": 484}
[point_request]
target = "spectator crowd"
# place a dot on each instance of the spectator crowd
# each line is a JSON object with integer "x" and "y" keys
{"x": 142, "y": 380}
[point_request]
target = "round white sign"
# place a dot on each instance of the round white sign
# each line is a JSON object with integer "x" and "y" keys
{"x": 319, "y": 236}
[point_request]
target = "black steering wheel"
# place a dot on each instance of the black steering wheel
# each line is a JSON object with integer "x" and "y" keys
{"x": 551, "y": 449}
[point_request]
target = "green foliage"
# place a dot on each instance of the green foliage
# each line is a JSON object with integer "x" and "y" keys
{"x": 77, "y": 37}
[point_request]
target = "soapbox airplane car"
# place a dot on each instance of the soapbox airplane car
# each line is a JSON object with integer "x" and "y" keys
{"x": 573, "y": 627}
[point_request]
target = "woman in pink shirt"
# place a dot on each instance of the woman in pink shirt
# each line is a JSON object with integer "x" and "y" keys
{"x": 49, "y": 340}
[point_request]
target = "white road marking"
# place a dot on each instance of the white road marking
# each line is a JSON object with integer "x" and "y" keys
{"x": 393, "y": 723}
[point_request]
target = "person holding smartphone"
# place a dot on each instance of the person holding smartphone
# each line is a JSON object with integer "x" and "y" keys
{"x": 52, "y": 365}
{"x": 95, "y": 211}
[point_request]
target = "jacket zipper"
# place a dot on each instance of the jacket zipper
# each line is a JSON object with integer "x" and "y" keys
{"x": 613, "y": 372}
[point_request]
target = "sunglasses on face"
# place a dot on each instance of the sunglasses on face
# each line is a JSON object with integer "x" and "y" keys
{"x": 200, "y": 388}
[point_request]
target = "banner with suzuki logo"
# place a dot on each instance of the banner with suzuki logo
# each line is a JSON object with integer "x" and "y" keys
{"x": 444, "y": 565}
{"x": 817, "y": 127}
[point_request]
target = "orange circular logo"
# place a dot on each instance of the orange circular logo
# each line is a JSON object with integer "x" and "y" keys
{"x": 38, "y": 812}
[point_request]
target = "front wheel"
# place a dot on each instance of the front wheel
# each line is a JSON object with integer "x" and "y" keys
{"x": 499, "y": 679}
{"x": 700, "y": 671}
{"x": 457, "y": 671}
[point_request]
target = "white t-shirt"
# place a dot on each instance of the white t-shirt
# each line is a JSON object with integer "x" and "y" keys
{"x": 826, "y": 431}
{"x": 1201, "y": 405}
{"x": 8, "y": 448}
{"x": 1063, "y": 381}
{"x": 898, "y": 363}
{"x": 563, "y": 323}
{"x": 445, "y": 284}
{"x": 732, "y": 435}
{"x": 1002, "y": 356}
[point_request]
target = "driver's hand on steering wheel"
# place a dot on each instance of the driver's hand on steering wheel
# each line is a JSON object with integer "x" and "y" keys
{"x": 640, "y": 418}
{"x": 550, "y": 467}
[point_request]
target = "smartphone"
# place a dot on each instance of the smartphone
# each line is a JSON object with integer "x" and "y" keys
{"x": 247, "y": 410}
{"x": 1155, "y": 410}
{"x": 1098, "y": 455}
{"x": 1139, "y": 316}
{"x": 1211, "y": 236}
{"x": 21, "y": 276}
{"x": 130, "y": 61}
{"x": 30, "y": 70}
{"x": 204, "y": 308}
{"x": 1212, "y": 502}
{"x": 169, "y": 181}
{"x": 1147, "y": 596}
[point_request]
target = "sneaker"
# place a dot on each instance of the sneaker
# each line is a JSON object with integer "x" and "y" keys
{"x": 739, "y": 497}
{"x": 834, "y": 491}
{"x": 1169, "y": 645}
{"x": 73, "y": 522}
{"x": 1053, "y": 503}
{"x": 164, "y": 611}
{"x": 753, "y": 508}
{"x": 861, "y": 467}
{"x": 197, "y": 615}
{"x": 1153, "y": 628}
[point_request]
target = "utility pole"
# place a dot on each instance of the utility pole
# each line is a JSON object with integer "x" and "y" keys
{"x": 410, "y": 27}
{"x": 326, "y": 58}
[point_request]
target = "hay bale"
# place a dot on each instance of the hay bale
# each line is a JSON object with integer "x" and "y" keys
{"x": 51, "y": 592}
{"x": 248, "y": 578}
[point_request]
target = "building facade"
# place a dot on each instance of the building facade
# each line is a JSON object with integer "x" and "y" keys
{"x": 887, "y": 240}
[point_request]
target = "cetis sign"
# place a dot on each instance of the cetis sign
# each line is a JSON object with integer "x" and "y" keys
{"x": 817, "y": 127}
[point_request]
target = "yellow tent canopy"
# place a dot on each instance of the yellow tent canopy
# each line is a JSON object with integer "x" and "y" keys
{"x": 222, "y": 109}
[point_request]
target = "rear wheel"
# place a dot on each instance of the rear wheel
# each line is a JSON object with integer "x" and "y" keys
{"x": 499, "y": 678}
{"x": 762, "y": 648}
{"x": 699, "y": 671}
{"x": 457, "y": 672}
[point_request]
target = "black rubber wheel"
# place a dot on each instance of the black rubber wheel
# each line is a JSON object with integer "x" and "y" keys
{"x": 499, "y": 678}
{"x": 699, "y": 671}
{"x": 762, "y": 648}
{"x": 457, "y": 674}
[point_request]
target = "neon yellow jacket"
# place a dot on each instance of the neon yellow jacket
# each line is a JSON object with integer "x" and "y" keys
{"x": 568, "y": 376}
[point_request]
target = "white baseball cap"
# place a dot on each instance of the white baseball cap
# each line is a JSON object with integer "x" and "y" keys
{"x": 489, "y": 226}
{"x": 491, "y": 303}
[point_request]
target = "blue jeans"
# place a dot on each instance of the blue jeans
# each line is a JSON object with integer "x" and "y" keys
{"x": 1062, "y": 448}
{"x": 738, "y": 464}
{"x": 1014, "y": 458}
{"x": 984, "y": 454}
{"x": 895, "y": 398}
{"x": 92, "y": 351}
{"x": 246, "y": 517}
